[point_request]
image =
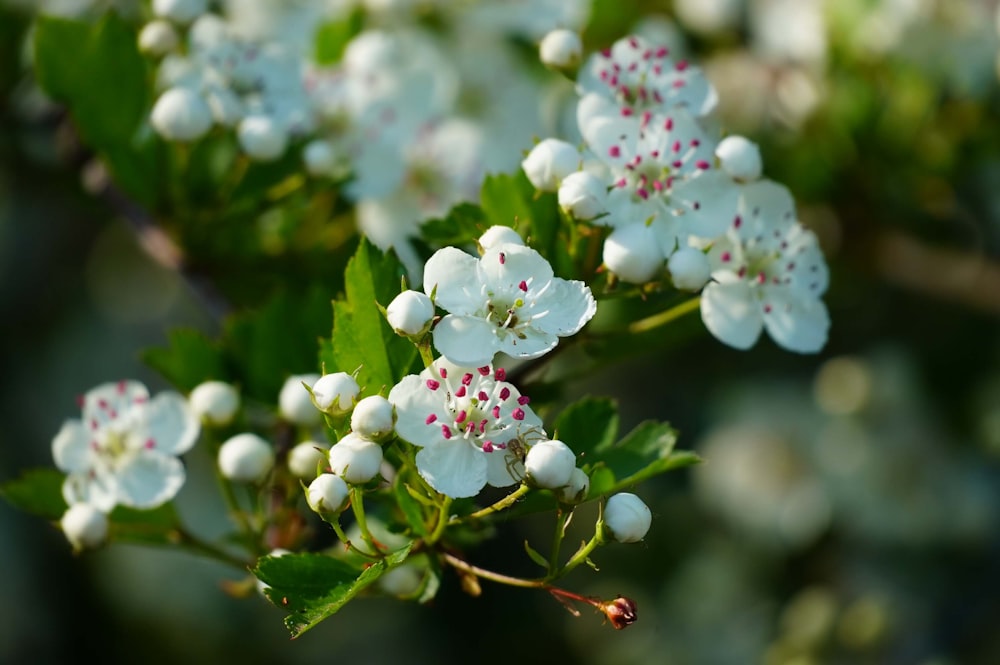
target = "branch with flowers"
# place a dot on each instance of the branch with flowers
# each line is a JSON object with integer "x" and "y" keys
{"x": 373, "y": 452}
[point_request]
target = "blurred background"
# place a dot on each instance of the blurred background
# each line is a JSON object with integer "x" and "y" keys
{"x": 849, "y": 503}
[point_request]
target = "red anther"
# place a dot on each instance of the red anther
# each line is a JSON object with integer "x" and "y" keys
{"x": 503, "y": 258}
{"x": 523, "y": 286}
{"x": 487, "y": 446}
{"x": 496, "y": 411}
{"x": 432, "y": 384}
{"x": 430, "y": 419}
{"x": 702, "y": 164}
{"x": 501, "y": 374}
{"x": 615, "y": 152}
{"x": 466, "y": 379}
{"x": 445, "y": 432}
{"x": 523, "y": 399}
{"x": 484, "y": 370}
{"x": 517, "y": 414}
{"x": 460, "y": 418}
{"x": 504, "y": 393}
{"x": 460, "y": 392}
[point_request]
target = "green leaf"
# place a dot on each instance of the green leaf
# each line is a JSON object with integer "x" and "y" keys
{"x": 312, "y": 587}
{"x": 463, "y": 225}
{"x": 535, "y": 556}
{"x": 157, "y": 526}
{"x": 411, "y": 508}
{"x": 37, "y": 491}
{"x": 332, "y": 37}
{"x": 647, "y": 451}
{"x": 189, "y": 358}
{"x": 588, "y": 425}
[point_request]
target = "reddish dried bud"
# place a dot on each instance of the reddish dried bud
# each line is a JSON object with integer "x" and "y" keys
{"x": 621, "y": 612}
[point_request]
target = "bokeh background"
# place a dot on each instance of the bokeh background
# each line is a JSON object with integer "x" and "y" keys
{"x": 848, "y": 510}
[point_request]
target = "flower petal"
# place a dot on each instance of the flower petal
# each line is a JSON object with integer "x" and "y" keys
{"x": 796, "y": 321}
{"x": 710, "y": 202}
{"x": 731, "y": 313}
{"x": 533, "y": 343}
{"x": 110, "y": 401}
{"x": 466, "y": 340}
{"x": 570, "y": 305}
{"x": 453, "y": 274}
{"x": 148, "y": 479}
{"x": 455, "y": 468}
{"x": 503, "y": 468}
{"x": 98, "y": 489}
{"x": 519, "y": 264}
{"x": 166, "y": 423}
{"x": 414, "y": 402}
{"x": 71, "y": 447}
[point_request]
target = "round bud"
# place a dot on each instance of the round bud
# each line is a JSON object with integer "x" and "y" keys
{"x": 157, "y": 38}
{"x": 632, "y": 253}
{"x": 180, "y": 114}
{"x": 245, "y": 458}
{"x": 327, "y": 494}
{"x": 354, "y": 459}
{"x": 576, "y": 489}
{"x": 295, "y": 403}
{"x": 549, "y": 464}
{"x": 319, "y": 157}
{"x": 227, "y": 108}
{"x": 373, "y": 418}
{"x": 549, "y": 162}
{"x": 215, "y": 402}
{"x": 410, "y": 313}
{"x": 739, "y": 157}
{"x": 262, "y": 138}
{"x": 335, "y": 393}
{"x": 561, "y": 49}
{"x": 583, "y": 196}
{"x": 689, "y": 268}
{"x": 307, "y": 458}
{"x": 181, "y": 11}
{"x": 627, "y": 517}
{"x": 402, "y": 580}
{"x": 84, "y": 526}
{"x": 499, "y": 235}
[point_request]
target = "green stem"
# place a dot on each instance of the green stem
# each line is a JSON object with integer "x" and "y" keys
{"x": 557, "y": 539}
{"x": 359, "y": 514}
{"x": 455, "y": 562}
{"x": 191, "y": 542}
{"x": 665, "y": 317}
{"x": 424, "y": 347}
{"x": 347, "y": 541}
{"x": 502, "y": 503}
{"x": 442, "y": 522}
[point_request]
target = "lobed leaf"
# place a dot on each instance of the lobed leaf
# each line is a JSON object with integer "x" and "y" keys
{"x": 37, "y": 491}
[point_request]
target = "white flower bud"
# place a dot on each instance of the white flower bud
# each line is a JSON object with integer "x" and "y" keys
{"x": 627, "y": 517}
{"x": 402, "y": 580}
{"x": 689, "y": 268}
{"x": 295, "y": 403}
{"x": 583, "y": 196}
{"x": 549, "y": 464}
{"x": 373, "y": 418}
{"x": 499, "y": 235}
{"x": 227, "y": 109}
{"x": 410, "y": 313}
{"x": 262, "y": 138}
{"x": 740, "y": 158}
{"x": 215, "y": 402}
{"x": 576, "y": 489}
{"x": 561, "y": 49}
{"x": 180, "y": 114}
{"x": 354, "y": 459}
{"x": 632, "y": 253}
{"x": 181, "y": 11}
{"x": 549, "y": 162}
{"x": 335, "y": 393}
{"x": 84, "y": 526}
{"x": 306, "y": 459}
{"x": 245, "y": 458}
{"x": 157, "y": 38}
{"x": 327, "y": 494}
{"x": 319, "y": 157}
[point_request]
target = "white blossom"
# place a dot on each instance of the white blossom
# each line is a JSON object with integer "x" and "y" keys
{"x": 84, "y": 526}
{"x": 158, "y": 38}
{"x": 627, "y": 517}
{"x": 410, "y": 313}
{"x": 262, "y": 137}
{"x": 355, "y": 459}
{"x": 633, "y": 254}
{"x": 305, "y": 459}
{"x": 549, "y": 464}
{"x": 372, "y": 418}
{"x": 583, "y": 196}
{"x": 215, "y": 402}
{"x": 576, "y": 489}
{"x": 335, "y": 393}
{"x": 549, "y": 162}
{"x": 689, "y": 269}
{"x": 561, "y": 49}
{"x": 498, "y": 235}
{"x": 295, "y": 403}
{"x": 245, "y": 458}
{"x": 327, "y": 494}
{"x": 181, "y": 114}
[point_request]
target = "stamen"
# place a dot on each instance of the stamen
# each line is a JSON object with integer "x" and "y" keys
{"x": 501, "y": 374}
{"x": 523, "y": 399}
{"x": 517, "y": 414}
{"x": 432, "y": 384}
{"x": 430, "y": 419}
{"x": 445, "y": 432}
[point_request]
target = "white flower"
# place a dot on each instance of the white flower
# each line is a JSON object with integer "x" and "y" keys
{"x": 508, "y": 300}
{"x": 295, "y": 403}
{"x": 549, "y": 162}
{"x": 355, "y": 459}
{"x": 306, "y": 458}
{"x": 549, "y": 464}
{"x": 410, "y": 313}
{"x": 767, "y": 272}
{"x": 335, "y": 393}
{"x": 181, "y": 114}
{"x": 583, "y": 196}
{"x": 372, "y": 418}
{"x": 576, "y": 489}
{"x": 627, "y": 517}
{"x": 689, "y": 268}
{"x": 84, "y": 526}
{"x": 739, "y": 158}
{"x": 245, "y": 458}
{"x": 561, "y": 49}
{"x": 215, "y": 402}
{"x": 124, "y": 450}
{"x": 181, "y": 11}
{"x": 262, "y": 138}
{"x": 633, "y": 254}
{"x": 469, "y": 423}
{"x": 327, "y": 494}
{"x": 157, "y": 38}
{"x": 320, "y": 158}
{"x": 498, "y": 235}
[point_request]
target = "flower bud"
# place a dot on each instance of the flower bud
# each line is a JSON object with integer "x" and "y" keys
{"x": 583, "y": 196}
{"x": 327, "y": 494}
{"x": 245, "y": 458}
{"x": 354, "y": 459}
{"x": 84, "y": 526}
{"x": 373, "y": 418}
{"x": 632, "y": 253}
{"x": 180, "y": 11}
{"x": 180, "y": 114}
{"x": 549, "y": 162}
{"x": 499, "y": 235}
{"x": 549, "y": 464}
{"x": 621, "y": 612}
{"x": 319, "y": 157}
{"x": 410, "y": 313}
{"x": 689, "y": 268}
{"x": 561, "y": 49}
{"x": 627, "y": 518}
{"x": 740, "y": 158}
{"x": 307, "y": 458}
{"x": 335, "y": 393}
{"x": 576, "y": 488}
{"x": 401, "y": 581}
{"x": 262, "y": 138}
{"x": 295, "y": 403}
{"x": 227, "y": 107}
{"x": 215, "y": 403}
{"x": 157, "y": 38}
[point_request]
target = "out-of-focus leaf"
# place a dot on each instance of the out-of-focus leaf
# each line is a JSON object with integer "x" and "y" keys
{"x": 157, "y": 526}
{"x": 588, "y": 425}
{"x": 461, "y": 226}
{"x": 188, "y": 359}
{"x": 411, "y": 509}
{"x": 332, "y": 37}
{"x": 37, "y": 491}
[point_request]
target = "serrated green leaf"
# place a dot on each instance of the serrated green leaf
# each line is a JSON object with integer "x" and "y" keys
{"x": 649, "y": 442}
{"x": 588, "y": 425}
{"x": 188, "y": 359}
{"x": 37, "y": 491}
{"x": 535, "y": 556}
{"x": 463, "y": 225}
{"x": 412, "y": 510}
{"x": 312, "y": 587}
{"x": 332, "y": 37}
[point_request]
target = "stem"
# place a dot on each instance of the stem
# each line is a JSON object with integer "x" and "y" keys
{"x": 347, "y": 541}
{"x": 191, "y": 542}
{"x": 426, "y": 355}
{"x": 502, "y": 503}
{"x": 359, "y": 514}
{"x": 665, "y": 317}
{"x": 442, "y": 522}
{"x": 455, "y": 562}
{"x": 557, "y": 539}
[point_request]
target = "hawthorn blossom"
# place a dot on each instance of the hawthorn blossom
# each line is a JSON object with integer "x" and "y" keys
{"x": 124, "y": 449}
{"x": 470, "y": 424}
{"x": 508, "y": 300}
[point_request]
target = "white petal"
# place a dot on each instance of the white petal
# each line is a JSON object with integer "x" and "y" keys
{"x": 534, "y": 343}
{"x": 519, "y": 264}
{"x": 110, "y": 401}
{"x": 453, "y": 274}
{"x": 503, "y": 468}
{"x": 796, "y": 321}
{"x": 98, "y": 489}
{"x": 731, "y": 314}
{"x": 414, "y": 402}
{"x": 149, "y": 479}
{"x": 455, "y": 469}
{"x": 717, "y": 198}
{"x": 168, "y": 422}
{"x": 765, "y": 205}
{"x": 570, "y": 305}
{"x": 466, "y": 340}
{"x": 71, "y": 447}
